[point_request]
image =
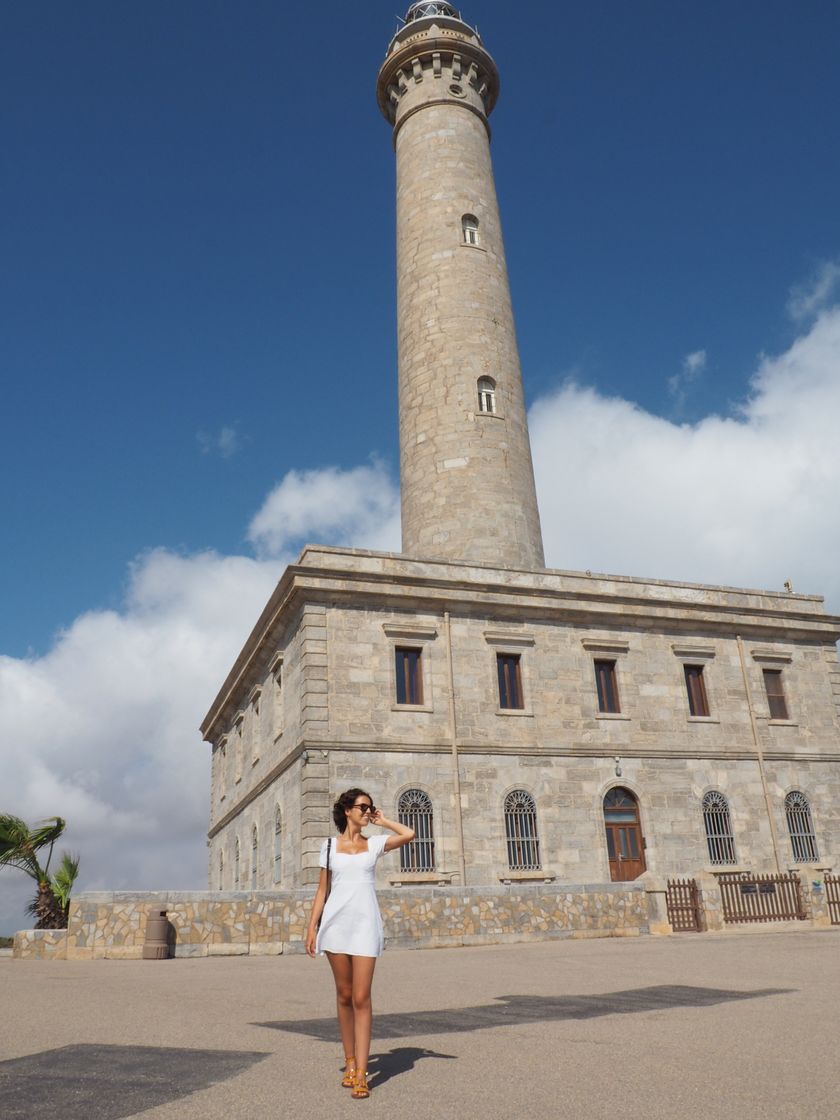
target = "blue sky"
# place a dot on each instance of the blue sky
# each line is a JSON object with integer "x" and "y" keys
{"x": 197, "y": 341}
{"x": 197, "y": 236}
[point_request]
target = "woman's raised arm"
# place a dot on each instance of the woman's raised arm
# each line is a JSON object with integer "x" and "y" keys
{"x": 402, "y": 833}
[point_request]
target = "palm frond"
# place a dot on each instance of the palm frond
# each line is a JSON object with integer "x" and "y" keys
{"x": 65, "y": 877}
{"x": 19, "y": 844}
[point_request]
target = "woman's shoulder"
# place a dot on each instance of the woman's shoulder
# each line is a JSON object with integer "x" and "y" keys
{"x": 377, "y": 843}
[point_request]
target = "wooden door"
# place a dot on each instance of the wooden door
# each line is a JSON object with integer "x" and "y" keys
{"x": 625, "y": 843}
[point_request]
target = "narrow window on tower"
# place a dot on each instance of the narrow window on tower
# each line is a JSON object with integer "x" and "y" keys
{"x": 510, "y": 680}
{"x": 486, "y": 394}
{"x": 469, "y": 224}
{"x": 698, "y": 702}
{"x": 409, "y": 676}
{"x": 775, "y": 694}
{"x": 605, "y": 680}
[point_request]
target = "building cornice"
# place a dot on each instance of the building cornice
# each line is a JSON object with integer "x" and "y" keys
{"x": 577, "y": 598}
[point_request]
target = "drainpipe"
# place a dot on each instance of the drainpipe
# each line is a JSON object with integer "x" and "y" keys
{"x": 456, "y": 766}
{"x": 760, "y": 756}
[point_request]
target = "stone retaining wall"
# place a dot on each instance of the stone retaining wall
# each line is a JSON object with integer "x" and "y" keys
{"x": 237, "y": 923}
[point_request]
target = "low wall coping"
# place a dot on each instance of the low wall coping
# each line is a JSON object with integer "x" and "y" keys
{"x": 435, "y": 890}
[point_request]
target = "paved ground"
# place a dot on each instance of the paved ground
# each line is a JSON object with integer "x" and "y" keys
{"x": 710, "y": 1026}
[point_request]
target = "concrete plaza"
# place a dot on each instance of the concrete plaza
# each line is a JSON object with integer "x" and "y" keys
{"x": 715, "y": 1026}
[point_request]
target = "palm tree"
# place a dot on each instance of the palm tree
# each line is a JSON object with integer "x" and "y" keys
{"x": 19, "y": 847}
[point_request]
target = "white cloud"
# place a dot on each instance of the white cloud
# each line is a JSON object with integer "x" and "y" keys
{"x": 224, "y": 443}
{"x": 693, "y": 366}
{"x": 356, "y": 508}
{"x": 102, "y": 729}
{"x": 809, "y": 299}
{"x": 748, "y": 500}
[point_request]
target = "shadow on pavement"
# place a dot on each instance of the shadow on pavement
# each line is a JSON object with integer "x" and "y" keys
{"x": 401, "y": 1059}
{"x": 108, "y": 1082}
{"x": 512, "y": 1010}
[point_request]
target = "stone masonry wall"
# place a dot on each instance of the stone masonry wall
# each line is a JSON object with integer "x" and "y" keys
{"x": 112, "y": 925}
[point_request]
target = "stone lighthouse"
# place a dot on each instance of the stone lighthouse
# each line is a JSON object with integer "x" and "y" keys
{"x": 554, "y": 738}
{"x": 466, "y": 474}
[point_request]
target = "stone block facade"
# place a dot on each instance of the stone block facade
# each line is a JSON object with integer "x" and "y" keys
{"x": 467, "y": 481}
{"x": 350, "y": 612}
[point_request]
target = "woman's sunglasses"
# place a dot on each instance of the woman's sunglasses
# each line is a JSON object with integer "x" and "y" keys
{"x": 365, "y": 808}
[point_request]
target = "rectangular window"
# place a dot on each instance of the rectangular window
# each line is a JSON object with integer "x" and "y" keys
{"x": 607, "y": 683}
{"x": 409, "y": 676}
{"x": 775, "y": 693}
{"x": 698, "y": 703}
{"x": 510, "y": 680}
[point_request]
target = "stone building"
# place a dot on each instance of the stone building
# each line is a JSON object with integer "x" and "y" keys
{"x": 560, "y": 727}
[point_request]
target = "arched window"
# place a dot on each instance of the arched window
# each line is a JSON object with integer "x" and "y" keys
{"x": 523, "y": 843}
{"x": 254, "y": 857}
{"x": 236, "y": 862}
{"x": 469, "y": 225}
{"x": 221, "y": 870}
{"x": 415, "y": 811}
{"x": 801, "y": 828}
{"x": 486, "y": 394}
{"x": 718, "y": 825}
{"x": 278, "y": 845}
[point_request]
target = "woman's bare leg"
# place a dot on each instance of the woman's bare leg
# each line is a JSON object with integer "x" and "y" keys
{"x": 342, "y": 969}
{"x": 362, "y": 1010}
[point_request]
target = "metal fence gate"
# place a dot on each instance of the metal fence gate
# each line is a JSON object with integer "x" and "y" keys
{"x": 761, "y": 898}
{"x": 683, "y": 901}
{"x": 832, "y": 897}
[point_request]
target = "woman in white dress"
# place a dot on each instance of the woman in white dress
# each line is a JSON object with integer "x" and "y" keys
{"x": 350, "y": 932}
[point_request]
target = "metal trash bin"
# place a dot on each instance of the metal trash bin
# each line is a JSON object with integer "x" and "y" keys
{"x": 156, "y": 945}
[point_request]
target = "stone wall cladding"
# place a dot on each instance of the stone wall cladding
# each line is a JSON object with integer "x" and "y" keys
{"x": 112, "y": 925}
{"x": 40, "y": 945}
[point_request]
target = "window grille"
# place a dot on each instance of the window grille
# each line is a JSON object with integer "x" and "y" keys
{"x": 718, "y": 824}
{"x": 415, "y": 811}
{"x": 698, "y": 702}
{"x": 801, "y": 828}
{"x": 607, "y": 685}
{"x": 510, "y": 680}
{"x": 254, "y": 859}
{"x": 469, "y": 224}
{"x": 221, "y": 871}
{"x": 236, "y": 865}
{"x": 775, "y": 693}
{"x": 486, "y": 395}
{"x": 409, "y": 676}
{"x": 523, "y": 845}
{"x": 278, "y": 845}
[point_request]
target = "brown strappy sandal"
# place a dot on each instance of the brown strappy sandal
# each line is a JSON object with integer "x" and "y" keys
{"x": 360, "y": 1087}
{"x": 349, "y": 1078}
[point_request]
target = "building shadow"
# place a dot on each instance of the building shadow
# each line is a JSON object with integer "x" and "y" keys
{"x": 105, "y": 1082}
{"x": 515, "y": 1010}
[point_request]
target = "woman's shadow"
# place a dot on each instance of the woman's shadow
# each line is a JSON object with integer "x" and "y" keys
{"x": 382, "y": 1067}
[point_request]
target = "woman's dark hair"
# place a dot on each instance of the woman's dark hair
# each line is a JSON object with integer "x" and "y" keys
{"x": 346, "y": 801}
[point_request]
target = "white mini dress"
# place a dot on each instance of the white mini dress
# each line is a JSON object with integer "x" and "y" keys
{"x": 351, "y": 922}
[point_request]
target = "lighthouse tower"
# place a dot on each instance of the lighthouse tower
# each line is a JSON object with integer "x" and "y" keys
{"x": 538, "y": 729}
{"x": 465, "y": 459}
